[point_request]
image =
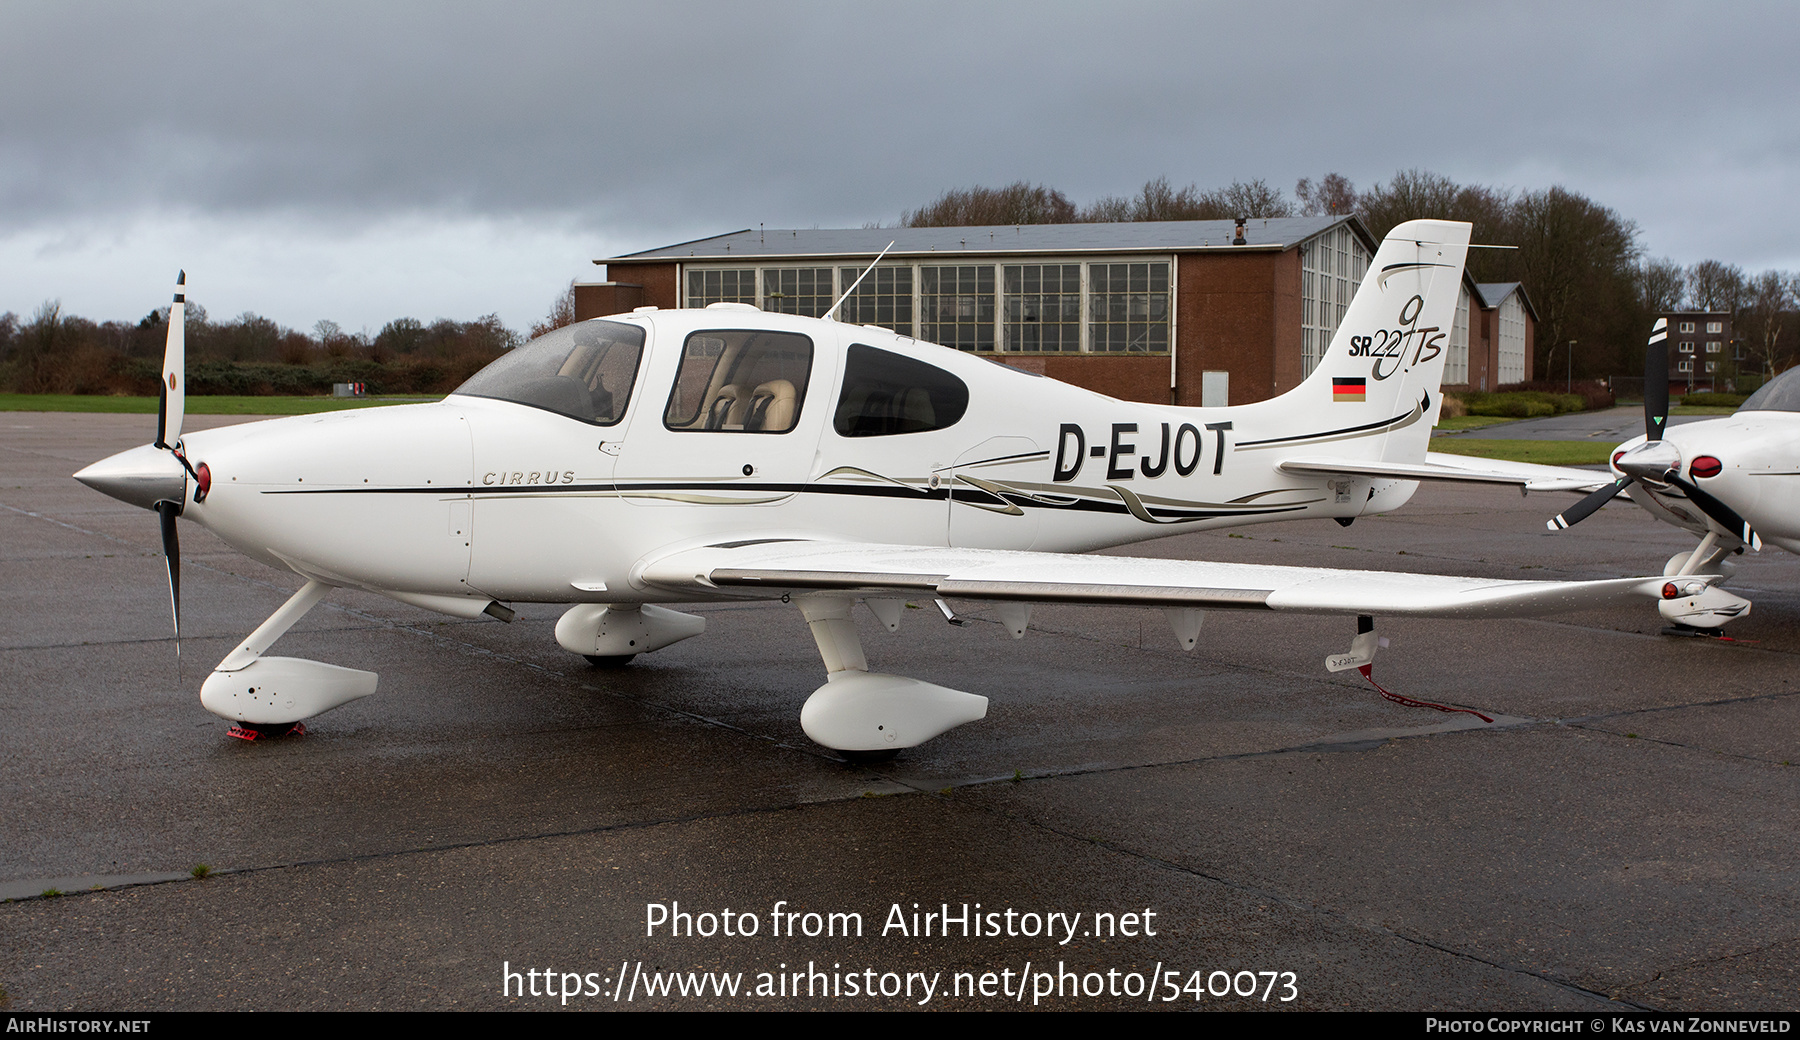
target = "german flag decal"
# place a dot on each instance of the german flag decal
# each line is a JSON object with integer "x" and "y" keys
{"x": 1348, "y": 388}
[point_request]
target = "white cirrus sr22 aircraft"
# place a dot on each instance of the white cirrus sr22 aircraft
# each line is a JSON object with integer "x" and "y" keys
{"x": 667, "y": 457}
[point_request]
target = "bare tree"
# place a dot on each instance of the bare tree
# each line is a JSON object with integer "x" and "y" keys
{"x": 1250, "y": 199}
{"x": 1155, "y": 201}
{"x": 1334, "y": 195}
{"x": 1768, "y": 301}
{"x": 1576, "y": 258}
{"x": 562, "y": 312}
{"x": 1018, "y": 203}
{"x": 1716, "y": 286}
{"x": 1422, "y": 195}
{"x": 1662, "y": 285}
{"x": 1158, "y": 201}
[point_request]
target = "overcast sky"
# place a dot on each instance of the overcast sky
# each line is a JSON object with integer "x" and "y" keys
{"x": 362, "y": 162}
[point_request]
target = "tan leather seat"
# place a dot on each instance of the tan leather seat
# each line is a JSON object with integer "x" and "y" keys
{"x": 727, "y": 409}
{"x": 772, "y": 407}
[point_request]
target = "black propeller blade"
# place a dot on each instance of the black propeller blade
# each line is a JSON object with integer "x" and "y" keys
{"x": 1717, "y": 511}
{"x": 1656, "y": 381}
{"x": 1581, "y": 510}
{"x": 166, "y": 512}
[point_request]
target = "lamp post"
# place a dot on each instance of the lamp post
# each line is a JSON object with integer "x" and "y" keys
{"x": 1569, "y": 384}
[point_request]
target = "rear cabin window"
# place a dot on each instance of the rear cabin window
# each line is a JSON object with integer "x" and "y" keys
{"x": 887, "y": 393}
{"x": 741, "y": 381}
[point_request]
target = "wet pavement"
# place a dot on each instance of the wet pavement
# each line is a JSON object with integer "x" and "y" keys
{"x": 1624, "y": 834}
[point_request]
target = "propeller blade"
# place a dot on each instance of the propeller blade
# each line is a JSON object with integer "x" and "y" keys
{"x": 167, "y": 512}
{"x": 1719, "y": 512}
{"x": 1583, "y": 509}
{"x": 172, "y": 405}
{"x": 1656, "y": 381}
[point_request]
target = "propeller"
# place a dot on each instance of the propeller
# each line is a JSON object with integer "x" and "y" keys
{"x": 1656, "y": 419}
{"x": 155, "y": 476}
{"x": 1653, "y": 462}
{"x": 171, "y": 410}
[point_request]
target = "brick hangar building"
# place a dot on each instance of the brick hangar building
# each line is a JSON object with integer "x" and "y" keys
{"x": 1187, "y": 312}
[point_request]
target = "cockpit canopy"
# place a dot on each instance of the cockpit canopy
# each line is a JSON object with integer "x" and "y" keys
{"x": 584, "y": 371}
{"x": 1781, "y": 394}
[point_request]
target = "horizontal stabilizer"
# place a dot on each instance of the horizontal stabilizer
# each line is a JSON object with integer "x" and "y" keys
{"x": 1456, "y": 468}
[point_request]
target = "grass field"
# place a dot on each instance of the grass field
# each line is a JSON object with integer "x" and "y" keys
{"x": 1469, "y": 422}
{"x": 1547, "y": 453}
{"x": 196, "y": 405}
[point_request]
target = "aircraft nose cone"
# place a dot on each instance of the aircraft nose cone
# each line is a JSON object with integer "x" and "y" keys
{"x": 1650, "y": 462}
{"x": 143, "y": 476}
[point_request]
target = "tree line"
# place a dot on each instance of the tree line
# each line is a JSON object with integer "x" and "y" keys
{"x": 54, "y": 352}
{"x": 1582, "y": 263}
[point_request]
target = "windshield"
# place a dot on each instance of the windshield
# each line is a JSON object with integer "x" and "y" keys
{"x": 1781, "y": 394}
{"x": 584, "y": 371}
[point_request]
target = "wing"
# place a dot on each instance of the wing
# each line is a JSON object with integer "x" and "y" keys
{"x": 774, "y": 567}
{"x": 1525, "y": 476}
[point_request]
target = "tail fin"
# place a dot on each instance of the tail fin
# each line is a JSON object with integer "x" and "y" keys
{"x": 1385, "y": 363}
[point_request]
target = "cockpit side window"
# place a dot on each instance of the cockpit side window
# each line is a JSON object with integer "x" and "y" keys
{"x": 740, "y": 381}
{"x": 584, "y": 371}
{"x": 1781, "y": 394}
{"x": 887, "y": 393}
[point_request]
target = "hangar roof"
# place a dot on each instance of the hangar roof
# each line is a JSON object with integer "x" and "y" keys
{"x": 1141, "y": 237}
{"x": 1493, "y": 294}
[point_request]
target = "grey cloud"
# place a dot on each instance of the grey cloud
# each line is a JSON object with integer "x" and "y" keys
{"x": 651, "y": 123}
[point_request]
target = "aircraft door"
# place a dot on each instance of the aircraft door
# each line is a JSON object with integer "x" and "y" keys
{"x": 543, "y": 475}
{"x": 737, "y": 426}
{"x": 988, "y": 507}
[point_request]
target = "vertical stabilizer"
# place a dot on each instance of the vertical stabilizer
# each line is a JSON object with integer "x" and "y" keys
{"x": 1385, "y": 363}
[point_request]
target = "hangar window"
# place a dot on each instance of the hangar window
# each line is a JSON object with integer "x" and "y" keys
{"x": 1332, "y": 266}
{"x": 956, "y": 306}
{"x": 728, "y": 285}
{"x": 798, "y": 290}
{"x": 887, "y": 393}
{"x": 584, "y": 371}
{"x": 884, "y": 298}
{"x": 1129, "y": 310}
{"x": 1043, "y": 306}
{"x": 741, "y": 381}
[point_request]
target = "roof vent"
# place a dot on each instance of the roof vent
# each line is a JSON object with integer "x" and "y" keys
{"x": 732, "y": 307}
{"x": 1237, "y": 239}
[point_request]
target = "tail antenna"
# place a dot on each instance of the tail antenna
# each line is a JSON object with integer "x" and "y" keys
{"x": 830, "y": 315}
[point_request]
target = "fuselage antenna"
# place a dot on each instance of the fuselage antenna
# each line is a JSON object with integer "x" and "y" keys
{"x": 831, "y": 315}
